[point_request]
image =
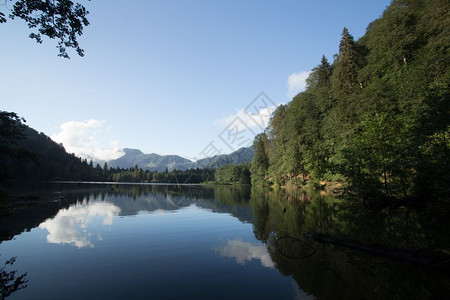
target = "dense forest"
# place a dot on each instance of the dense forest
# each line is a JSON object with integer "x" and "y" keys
{"x": 232, "y": 174}
{"x": 376, "y": 118}
{"x": 136, "y": 174}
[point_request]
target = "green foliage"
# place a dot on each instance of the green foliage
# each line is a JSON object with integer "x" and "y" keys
{"x": 377, "y": 118}
{"x": 175, "y": 176}
{"x": 11, "y": 133}
{"x": 320, "y": 75}
{"x": 260, "y": 162}
{"x": 61, "y": 19}
{"x": 381, "y": 157}
{"x": 232, "y": 174}
{"x": 347, "y": 64}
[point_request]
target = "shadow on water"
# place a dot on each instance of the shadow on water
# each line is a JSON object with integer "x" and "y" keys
{"x": 333, "y": 272}
{"x": 280, "y": 221}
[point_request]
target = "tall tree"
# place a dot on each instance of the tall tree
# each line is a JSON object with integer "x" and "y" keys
{"x": 320, "y": 75}
{"x": 278, "y": 135}
{"x": 260, "y": 161}
{"x": 347, "y": 65}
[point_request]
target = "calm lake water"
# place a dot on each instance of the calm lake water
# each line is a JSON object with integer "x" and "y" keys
{"x": 105, "y": 241}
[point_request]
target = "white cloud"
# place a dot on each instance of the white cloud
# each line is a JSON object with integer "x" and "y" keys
{"x": 244, "y": 252}
{"x": 71, "y": 226}
{"x": 84, "y": 139}
{"x": 296, "y": 83}
{"x": 243, "y": 119}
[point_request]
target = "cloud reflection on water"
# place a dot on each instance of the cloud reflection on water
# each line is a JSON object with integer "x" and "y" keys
{"x": 244, "y": 252}
{"x": 70, "y": 226}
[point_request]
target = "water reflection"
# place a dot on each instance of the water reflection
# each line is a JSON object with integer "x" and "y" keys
{"x": 334, "y": 272}
{"x": 279, "y": 223}
{"x": 244, "y": 252}
{"x": 71, "y": 225}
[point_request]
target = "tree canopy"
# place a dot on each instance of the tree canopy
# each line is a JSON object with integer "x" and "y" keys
{"x": 62, "y": 20}
{"x": 377, "y": 118}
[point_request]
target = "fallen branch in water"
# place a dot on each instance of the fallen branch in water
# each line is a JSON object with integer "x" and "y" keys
{"x": 432, "y": 260}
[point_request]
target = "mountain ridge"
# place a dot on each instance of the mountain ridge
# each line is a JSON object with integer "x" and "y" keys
{"x": 156, "y": 162}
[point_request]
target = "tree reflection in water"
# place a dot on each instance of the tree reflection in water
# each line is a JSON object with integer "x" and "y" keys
{"x": 282, "y": 219}
{"x": 10, "y": 281}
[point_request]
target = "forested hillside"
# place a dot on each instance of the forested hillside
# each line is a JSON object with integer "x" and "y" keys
{"x": 41, "y": 158}
{"x": 26, "y": 154}
{"x": 377, "y": 117}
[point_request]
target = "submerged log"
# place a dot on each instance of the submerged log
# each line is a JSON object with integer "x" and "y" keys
{"x": 432, "y": 260}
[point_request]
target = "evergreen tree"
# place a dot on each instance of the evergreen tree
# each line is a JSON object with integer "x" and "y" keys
{"x": 320, "y": 75}
{"x": 260, "y": 161}
{"x": 347, "y": 66}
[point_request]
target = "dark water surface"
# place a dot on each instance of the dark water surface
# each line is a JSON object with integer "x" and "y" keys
{"x": 106, "y": 241}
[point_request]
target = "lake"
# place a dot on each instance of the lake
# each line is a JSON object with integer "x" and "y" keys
{"x": 116, "y": 241}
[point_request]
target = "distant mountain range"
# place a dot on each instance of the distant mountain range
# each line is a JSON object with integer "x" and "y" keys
{"x": 158, "y": 162}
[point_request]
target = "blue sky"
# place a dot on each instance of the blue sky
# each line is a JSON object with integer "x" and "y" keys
{"x": 170, "y": 76}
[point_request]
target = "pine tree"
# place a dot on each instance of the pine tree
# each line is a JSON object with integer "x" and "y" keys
{"x": 320, "y": 75}
{"x": 347, "y": 65}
